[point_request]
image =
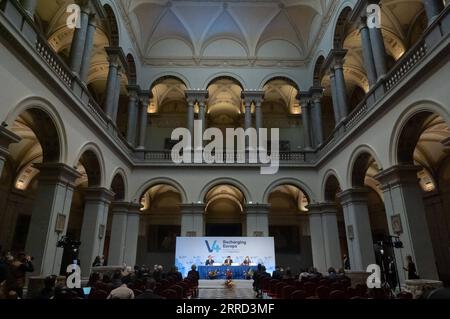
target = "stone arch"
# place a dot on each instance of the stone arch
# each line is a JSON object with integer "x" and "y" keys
{"x": 359, "y": 163}
{"x": 158, "y": 181}
{"x": 112, "y": 25}
{"x": 47, "y": 125}
{"x": 340, "y": 26}
{"x": 236, "y": 78}
{"x": 132, "y": 73}
{"x": 91, "y": 157}
{"x": 164, "y": 75}
{"x": 417, "y": 112}
{"x": 289, "y": 181}
{"x": 279, "y": 76}
{"x": 119, "y": 185}
{"x": 225, "y": 181}
{"x": 331, "y": 186}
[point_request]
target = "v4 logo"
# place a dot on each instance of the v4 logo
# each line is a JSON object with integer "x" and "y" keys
{"x": 215, "y": 246}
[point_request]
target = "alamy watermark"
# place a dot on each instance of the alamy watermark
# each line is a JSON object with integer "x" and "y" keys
{"x": 241, "y": 146}
{"x": 374, "y": 16}
{"x": 73, "y": 20}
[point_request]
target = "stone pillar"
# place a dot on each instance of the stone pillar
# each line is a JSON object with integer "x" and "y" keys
{"x": 117, "y": 96}
{"x": 29, "y": 6}
{"x": 259, "y": 115}
{"x": 341, "y": 90}
{"x": 317, "y": 239}
{"x": 202, "y": 114}
{"x": 119, "y": 211}
{"x": 317, "y": 94}
{"x": 50, "y": 216}
{"x": 305, "y": 100}
{"x": 132, "y": 234}
{"x": 78, "y": 41}
{"x": 88, "y": 47}
{"x": 192, "y": 220}
{"x": 433, "y": 8}
{"x": 248, "y": 114}
{"x": 190, "y": 117}
{"x": 95, "y": 218}
{"x": 111, "y": 86}
{"x": 6, "y": 138}
{"x": 403, "y": 199}
{"x": 331, "y": 236}
{"x": 359, "y": 233}
{"x": 379, "y": 51}
{"x": 367, "y": 52}
{"x": 257, "y": 220}
{"x": 143, "y": 122}
{"x": 132, "y": 114}
{"x": 337, "y": 115}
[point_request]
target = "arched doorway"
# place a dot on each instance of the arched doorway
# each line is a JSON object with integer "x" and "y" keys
{"x": 160, "y": 225}
{"x": 224, "y": 211}
{"x": 289, "y": 225}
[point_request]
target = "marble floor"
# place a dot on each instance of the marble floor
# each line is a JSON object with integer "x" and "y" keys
{"x": 215, "y": 289}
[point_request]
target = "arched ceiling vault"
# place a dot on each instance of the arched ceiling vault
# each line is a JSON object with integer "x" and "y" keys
{"x": 240, "y": 32}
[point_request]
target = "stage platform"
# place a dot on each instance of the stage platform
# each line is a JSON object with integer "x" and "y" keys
{"x": 216, "y": 289}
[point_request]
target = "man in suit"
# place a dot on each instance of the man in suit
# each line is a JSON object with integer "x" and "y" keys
{"x": 228, "y": 261}
{"x": 209, "y": 261}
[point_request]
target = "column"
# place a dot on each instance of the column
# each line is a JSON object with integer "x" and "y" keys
{"x": 30, "y": 6}
{"x": 257, "y": 220}
{"x": 379, "y": 51}
{"x": 111, "y": 85}
{"x": 117, "y": 96}
{"x": 50, "y": 216}
{"x": 317, "y": 94}
{"x": 132, "y": 234}
{"x": 259, "y": 114}
{"x": 248, "y": 114}
{"x": 190, "y": 116}
{"x": 331, "y": 236}
{"x": 341, "y": 90}
{"x": 116, "y": 255}
{"x": 337, "y": 115}
{"x": 359, "y": 233}
{"x": 88, "y": 47}
{"x": 192, "y": 220}
{"x": 95, "y": 218}
{"x": 132, "y": 114}
{"x": 202, "y": 114}
{"x": 143, "y": 99}
{"x": 6, "y": 138}
{"x": 306, "y": 115}
{"x": 403, "y": 199}
{"x": 317, "y": 238}
{"x": 433, "y": 8}
{"x": 367, "y": 52}
{"x": 78, "y": 42}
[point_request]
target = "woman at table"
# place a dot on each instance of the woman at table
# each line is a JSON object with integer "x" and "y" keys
{"x": 246, "y": 261}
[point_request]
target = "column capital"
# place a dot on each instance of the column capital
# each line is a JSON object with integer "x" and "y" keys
{"x": 400, "y": 174}
{"x": 322, "y": 208}
{"x": 352, "y": 195}
{"x": 335, "y": 59}
{"x": 144, "y": 98}
{"x": 99, "y": 194}
{"x": 362, "y": 23}
{"x": 116, "y": 56}
{"x": 316, "y": 93}
{"x": 6, "y": 138}
{"x": 119, "y": 207}
{"x": 133, "y": 90}
{"x": 57, "y": 173}
{"x": 250, "y": 97}
{"x": 196, "y": 96}
{"x": 134, "y": 209}
{"x": 93, "y": 19}
{"x": 314, "y": 209}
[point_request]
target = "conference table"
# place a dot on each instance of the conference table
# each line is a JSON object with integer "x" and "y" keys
{"x": 239, "y": 272}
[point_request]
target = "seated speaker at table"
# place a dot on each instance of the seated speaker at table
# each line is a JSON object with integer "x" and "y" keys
{"x": 228, "y": 261}
{"x": 247, "y": 261}
{"x": 209, "y": 261}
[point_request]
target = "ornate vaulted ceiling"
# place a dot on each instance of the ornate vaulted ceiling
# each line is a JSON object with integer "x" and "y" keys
{"x": 255, "y": 32}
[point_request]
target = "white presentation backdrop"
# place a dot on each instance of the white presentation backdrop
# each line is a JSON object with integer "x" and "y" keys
{"x": 195, "y": 251}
